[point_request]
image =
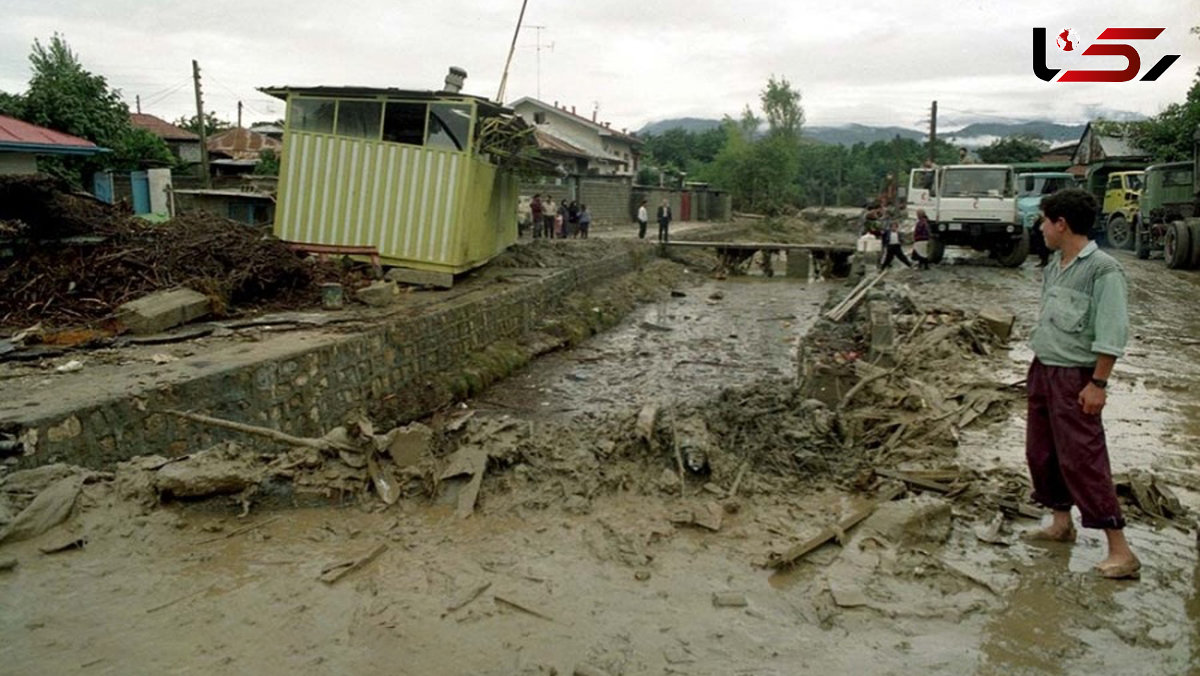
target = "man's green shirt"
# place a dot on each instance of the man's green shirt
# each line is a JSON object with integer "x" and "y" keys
{"x": 1084, "y": 310}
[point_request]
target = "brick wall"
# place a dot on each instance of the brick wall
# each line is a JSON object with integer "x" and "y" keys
{"x": 608, "y": 198}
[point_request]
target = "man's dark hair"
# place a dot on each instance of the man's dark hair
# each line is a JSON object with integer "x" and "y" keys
{"x": 1076, "y": 205}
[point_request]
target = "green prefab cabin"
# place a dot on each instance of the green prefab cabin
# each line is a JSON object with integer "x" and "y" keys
{"x": 396, "y": 174}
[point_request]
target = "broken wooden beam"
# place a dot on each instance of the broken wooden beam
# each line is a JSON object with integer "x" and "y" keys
{"x": 918, "y": 482}
{"x": 828, "y": 533}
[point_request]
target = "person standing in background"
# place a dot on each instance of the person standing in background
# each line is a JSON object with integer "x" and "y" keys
{"x": 643, "y": 217}
{"x": 664, "y": 220}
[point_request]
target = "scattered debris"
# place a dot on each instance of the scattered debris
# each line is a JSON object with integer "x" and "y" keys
{"x": 795, "y": 553}
{"x": 72, "y": 542}
{"x": 70, "y": 367}
{"x": 846, "y": 594}
{"x": 239, "y": 531}
{"x": 729, "y": 600}
{"x": 469, "y": 461}
{"x": 332, "y": 573}
{"x": 51, "y": 507}
{"x": 991, "y": 531}
{"x": 708, "y": 516}
{"x": 856, "y": 295}
{"x": 523, "y": 608}
{"x": 649, "y": 326}
{"x": 467, "y": 598}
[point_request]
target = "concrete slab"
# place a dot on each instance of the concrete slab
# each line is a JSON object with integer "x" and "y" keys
{"x": 160, "y": 311}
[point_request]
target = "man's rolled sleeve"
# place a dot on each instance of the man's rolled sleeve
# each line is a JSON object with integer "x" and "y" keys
{"x": 1110, "y": 300}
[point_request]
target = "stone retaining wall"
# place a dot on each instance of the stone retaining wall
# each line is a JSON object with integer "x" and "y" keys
{"x": 302, "y": 387}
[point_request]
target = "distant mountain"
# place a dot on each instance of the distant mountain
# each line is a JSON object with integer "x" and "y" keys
{"x": 1051, "y": 131}
{"x": 973, "y": 135}
{"x": 693, "y": 124}
{"x": 849, "y": 134}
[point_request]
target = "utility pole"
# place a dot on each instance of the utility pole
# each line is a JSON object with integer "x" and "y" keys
{"x": 200, "y": 118}
{"x": 239, "y": 114}
{"x": 138, "y": 98}
{"x": 933, "y": 133}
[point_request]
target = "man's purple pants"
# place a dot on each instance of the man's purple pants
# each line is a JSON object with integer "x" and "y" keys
{"x": 1065, "y": 447}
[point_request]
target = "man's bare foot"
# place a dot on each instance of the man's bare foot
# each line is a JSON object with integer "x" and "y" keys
{"x": 1120, "y": 566}
{"x": 1051, "y": 533}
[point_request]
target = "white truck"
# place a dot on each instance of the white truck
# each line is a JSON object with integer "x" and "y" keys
{"x": 973, "y": 205}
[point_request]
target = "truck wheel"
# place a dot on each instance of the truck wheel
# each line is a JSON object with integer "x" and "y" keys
{"x": 1193, "y": 226}
{"x": 1118, "y": 233}
{"x": 1141, "y": 239}
{"x": 1017, "y": 252}
{"x": 937, "y": 250}
{"x": 1177, "y": 246}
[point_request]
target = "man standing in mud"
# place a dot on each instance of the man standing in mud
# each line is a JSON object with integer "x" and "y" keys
{"x": 1080, "y": 334}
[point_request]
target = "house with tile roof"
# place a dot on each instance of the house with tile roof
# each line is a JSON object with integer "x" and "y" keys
{"x": 184, "y": 145}
{"x": 21, "y": 143}
{"x": 610, "y": 152}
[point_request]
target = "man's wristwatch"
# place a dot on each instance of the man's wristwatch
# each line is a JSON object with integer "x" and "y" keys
{"x": 1100, "y": 382}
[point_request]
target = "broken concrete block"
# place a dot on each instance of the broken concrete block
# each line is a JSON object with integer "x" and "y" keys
{"x": 216, "y": 471}
{"x": 377, "y": 294}
{"x": 923, "y": 520}
{"x": 162, "y": 310}
{"x": 883, "y": 334}
{"x": 410, "y": 444}
{"x": 799, "y": 263}
{"x": 998, "y": 322}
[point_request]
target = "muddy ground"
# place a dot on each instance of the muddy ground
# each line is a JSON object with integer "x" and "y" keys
{"x": 581, "y": 556}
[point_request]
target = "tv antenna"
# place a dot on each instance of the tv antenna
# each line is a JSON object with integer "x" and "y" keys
{"x": 538, "y": 47}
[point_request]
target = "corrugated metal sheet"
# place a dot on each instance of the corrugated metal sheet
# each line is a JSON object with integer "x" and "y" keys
{"x": 403, "y": 200}
{"x": 13, "y": 130}
{"x": 242, "y": 144}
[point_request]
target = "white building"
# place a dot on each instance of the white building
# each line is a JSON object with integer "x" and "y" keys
{"x": 611, "y": 152}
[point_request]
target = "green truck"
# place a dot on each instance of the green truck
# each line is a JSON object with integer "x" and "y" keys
{"x": 1169, "y": 213}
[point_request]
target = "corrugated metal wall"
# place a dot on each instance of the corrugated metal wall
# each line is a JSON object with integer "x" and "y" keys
{"x": 402, "y": 200}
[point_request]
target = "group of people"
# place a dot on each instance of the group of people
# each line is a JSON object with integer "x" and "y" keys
{"x": 883, "y": 224}
{"x": 663, "y": 215}
{"x": 559, "y": 221}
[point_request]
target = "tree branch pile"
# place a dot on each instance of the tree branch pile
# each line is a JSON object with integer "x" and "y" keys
{"x": 75, "y": 259}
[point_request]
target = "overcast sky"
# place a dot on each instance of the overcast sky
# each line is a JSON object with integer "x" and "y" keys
{"x": 868, "y": 62}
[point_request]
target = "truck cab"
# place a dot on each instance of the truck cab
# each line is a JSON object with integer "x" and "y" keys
{"x": 1122, "y": 191}
{"x": 1031, "y": 188}
{"x": 921, "y": 193}
{"x": 977, "y": 208}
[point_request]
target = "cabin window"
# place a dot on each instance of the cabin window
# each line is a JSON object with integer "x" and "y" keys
{"x": 539, "y": 118}
{"x": 449, "y": 126}
{"x": 315, "y": 115}
{"x": 404, "y": 123}
{"x": 1177, "y": 177}
{"x": 359, "y": 119}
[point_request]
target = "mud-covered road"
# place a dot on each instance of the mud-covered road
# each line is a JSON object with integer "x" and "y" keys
{"x": 546, "y": 578}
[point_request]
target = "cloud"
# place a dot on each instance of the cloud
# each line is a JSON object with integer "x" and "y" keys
{"x": 875, "y": 62}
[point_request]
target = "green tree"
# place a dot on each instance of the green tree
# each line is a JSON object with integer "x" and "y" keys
{"x": 12, "y": 105}
{"x": 212, "y": 123}
{"x": 64, "y": 96}
{"x": 781, "y": 105}
{"x": 268, "y": 163}
{"x": 1013, "y": 149}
